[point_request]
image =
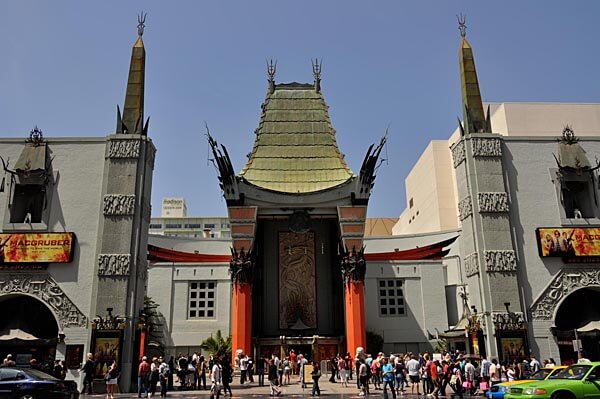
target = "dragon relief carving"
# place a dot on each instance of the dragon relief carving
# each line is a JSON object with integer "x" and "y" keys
{"x": 500, "y": 261}
{"x": 565, "y": 282}
{"x": 486, "y": 147}
{"x": 47, "y": 290}
{"x": 465, "y": 208}
{"x": 492, "y": 202}
{"x": 114, "y": 264}
{"x": 124, "y": 149}
{"x": 458, "y": 153}
{"x": 119, "y": 205}
{"x": 297, "y": 277}
{"x": 472, "y": 264}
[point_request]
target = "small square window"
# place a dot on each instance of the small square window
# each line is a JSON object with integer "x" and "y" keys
{"x": 391, "y": 297}
{"x": 198, "y": 305}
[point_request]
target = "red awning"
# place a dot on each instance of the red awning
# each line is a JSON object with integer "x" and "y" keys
{"x": 429, "y": 252}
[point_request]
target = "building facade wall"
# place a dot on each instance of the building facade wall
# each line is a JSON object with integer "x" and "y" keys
{"x": 424, "y": 299}
{"x": 75, "y": 207}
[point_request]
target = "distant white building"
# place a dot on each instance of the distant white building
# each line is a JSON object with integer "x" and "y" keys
{"x": 173, "y": 207}
{"x": 174, "y": 222}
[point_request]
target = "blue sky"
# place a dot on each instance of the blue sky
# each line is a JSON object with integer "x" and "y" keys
{"x": 64, "y": 65}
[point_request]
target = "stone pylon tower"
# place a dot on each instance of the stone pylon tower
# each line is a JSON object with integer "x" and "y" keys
{"x": 123, "y": 228}
{"x": 486, "y": 245}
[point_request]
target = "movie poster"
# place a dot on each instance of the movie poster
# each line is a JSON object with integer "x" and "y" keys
{"x": 36, "y": 248}
{"x": 74, "y": 357}
{"x": 512, "y": 348}
{"x": 568, "y": 242}
{"x": 106, "y": 350}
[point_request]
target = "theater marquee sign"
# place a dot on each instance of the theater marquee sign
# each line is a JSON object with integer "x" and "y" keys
{"x": 31, "y": 248}
{"x": 575, "y": 244}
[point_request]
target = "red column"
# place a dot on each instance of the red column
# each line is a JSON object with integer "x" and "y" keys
{"x": 241, "y": 319}
{"x": 355, "y": 316}
{"x": 142, "y": 342}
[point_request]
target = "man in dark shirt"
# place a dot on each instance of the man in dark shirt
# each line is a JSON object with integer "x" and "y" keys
{"x": 88, "y": 370}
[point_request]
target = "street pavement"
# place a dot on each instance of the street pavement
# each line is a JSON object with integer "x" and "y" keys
{"x": 252, "y": 390}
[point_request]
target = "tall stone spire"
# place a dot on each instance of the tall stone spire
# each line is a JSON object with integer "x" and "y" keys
{"x": 133, "y": 111}
{"x": 475, "y": 121}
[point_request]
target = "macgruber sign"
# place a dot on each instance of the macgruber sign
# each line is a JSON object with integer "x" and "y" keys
{"x": 569, "y": 242}
{"x": 36, "y": 247}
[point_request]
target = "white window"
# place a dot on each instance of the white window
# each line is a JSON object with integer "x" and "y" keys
{"x": 391, "y": 297}
{"x": 202, "y": 301}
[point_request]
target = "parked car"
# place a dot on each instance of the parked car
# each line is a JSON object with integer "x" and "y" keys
{"x": 499, "y": 390}
{"x": 581, "y": 380}
{"x": 26, "y": 383}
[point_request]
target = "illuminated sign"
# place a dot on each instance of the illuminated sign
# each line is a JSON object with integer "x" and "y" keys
{"x": 572, "y": 242}
{"x": 36, "y": 247}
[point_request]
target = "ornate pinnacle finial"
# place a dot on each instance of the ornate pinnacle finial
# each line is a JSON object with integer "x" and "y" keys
{"x": 271, "y": 69}
{"x": 141, "y": 23}
{"x": 462, "y": 24}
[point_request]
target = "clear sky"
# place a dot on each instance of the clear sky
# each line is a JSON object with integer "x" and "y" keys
{"x": 64, "y": 65}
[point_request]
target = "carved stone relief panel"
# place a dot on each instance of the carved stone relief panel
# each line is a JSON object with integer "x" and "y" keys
{"x": 297, "y": 288}
{"x": 124, "y": 149}
{"x": 511, "y": 321}
{"x": 114, "y": 264}
{"x": 458, "y": 153}
{"x": 472, "y": 264}
{"x": 119, "y": 205}
{"x": 465, "y": 208}
{"x": 47, "y": 290}
{"x": 500, "y": 261}
{"x": 492, "y": 202}
{"x": 486, "y": 147}
{"x": 565, "y": 282}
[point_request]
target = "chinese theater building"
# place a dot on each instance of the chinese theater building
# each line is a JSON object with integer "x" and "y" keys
{"x": 297, "y": 215}
{"x": 73, "y": 241}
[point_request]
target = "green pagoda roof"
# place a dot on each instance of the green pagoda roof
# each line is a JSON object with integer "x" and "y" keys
{"x": 295, "y": 150}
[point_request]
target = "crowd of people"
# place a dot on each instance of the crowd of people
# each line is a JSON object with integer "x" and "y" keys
{"x": 454, "y": 373}
{"x": 421, "y": 374}
{"x": 192, "y": 372}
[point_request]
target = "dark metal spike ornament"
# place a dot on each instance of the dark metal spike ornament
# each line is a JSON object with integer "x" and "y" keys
{"x": 462, "y": 24}
{"x": 141, "y": 23}
{"x": 271, "y": 71}
{"x": 316, "y": 71}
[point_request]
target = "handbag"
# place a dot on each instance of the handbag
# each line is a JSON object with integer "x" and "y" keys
{"x": 453, "y": 379}
{"x": 467, "y": 385}
{"x": 483, "y": 385}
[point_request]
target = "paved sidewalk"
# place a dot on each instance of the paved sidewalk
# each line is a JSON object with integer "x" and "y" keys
{"x": 293, "y": 390}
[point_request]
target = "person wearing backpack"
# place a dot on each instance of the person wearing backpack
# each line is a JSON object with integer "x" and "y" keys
{"x": 163, "y": 371}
